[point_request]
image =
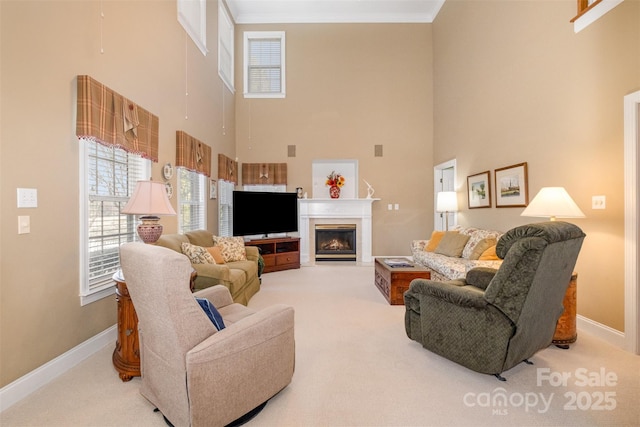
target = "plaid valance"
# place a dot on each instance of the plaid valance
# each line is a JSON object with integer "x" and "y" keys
{"x": 227, "y": 169}
{"x": 264, "y": 173}
{"x": 192, "y": 154}
{"x": 109, "y": 118}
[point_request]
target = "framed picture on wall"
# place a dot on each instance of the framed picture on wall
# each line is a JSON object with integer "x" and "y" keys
{"x": 479, "y": 190}
{"x": 512, "y": 186}
{"x": 213, "y": 189}
{"x": 322, "y": 168}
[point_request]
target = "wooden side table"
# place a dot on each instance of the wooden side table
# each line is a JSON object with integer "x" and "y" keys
{"x": 126, "y": 355}
{"x": 566, "y": 330}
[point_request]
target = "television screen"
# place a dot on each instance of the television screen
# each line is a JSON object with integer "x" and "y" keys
{"x": 264, "y": 213}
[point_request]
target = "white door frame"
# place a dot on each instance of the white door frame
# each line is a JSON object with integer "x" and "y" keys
{"x": 631, "y": 199}
{"x": 437, "y": 186}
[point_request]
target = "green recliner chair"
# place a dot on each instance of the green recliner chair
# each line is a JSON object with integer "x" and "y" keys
{"x": 491, "y": 320}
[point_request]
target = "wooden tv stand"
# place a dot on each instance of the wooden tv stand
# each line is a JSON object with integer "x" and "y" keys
{"x": 280, "y": 253}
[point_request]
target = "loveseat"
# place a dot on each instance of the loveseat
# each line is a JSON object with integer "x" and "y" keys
{"x": 239, "y": 275}
{"x": 450, "y": 255}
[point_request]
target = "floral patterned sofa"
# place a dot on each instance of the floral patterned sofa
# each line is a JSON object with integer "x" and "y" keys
{"x": 449, "y": 255}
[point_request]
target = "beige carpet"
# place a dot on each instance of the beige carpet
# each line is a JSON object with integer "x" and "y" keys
{"x": 356, "y": 367}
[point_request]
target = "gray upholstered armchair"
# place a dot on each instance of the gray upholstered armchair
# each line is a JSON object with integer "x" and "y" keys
{"x": 491, "y": 320}
{"x": 193, "y": 373}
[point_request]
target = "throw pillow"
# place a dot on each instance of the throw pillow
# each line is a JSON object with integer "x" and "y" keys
{"x": 452, "y": 244}
{"x": 232, "y": 248}
{"x": 197, "y": 254}
{"x": 477, "y": 235}
{"x": 216, "y": 253}
{"x": 482, "y": 246}
{"x": 212, "y": 313}
{"x": 489, "y": 254}
{"x": 436, "y": 236}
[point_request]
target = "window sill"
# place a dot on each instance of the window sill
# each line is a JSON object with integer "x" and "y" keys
{"x": 88, "y": 299}
{"x": 591, "y": 14}
{"x": 265, "y": 95}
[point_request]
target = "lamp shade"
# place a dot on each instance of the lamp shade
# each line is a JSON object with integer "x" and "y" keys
{"x": 553, "y": 202}
{"x": 149, "y": 198}
{"x": 447, "y": 201}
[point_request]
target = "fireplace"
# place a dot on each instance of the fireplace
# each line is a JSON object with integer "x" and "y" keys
{"x": 335, "y": 242}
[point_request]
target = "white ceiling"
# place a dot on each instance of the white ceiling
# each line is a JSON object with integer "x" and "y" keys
{"x": 327, "y": 11}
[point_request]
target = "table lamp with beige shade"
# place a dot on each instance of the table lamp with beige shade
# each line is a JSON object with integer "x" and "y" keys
{"x": 149, "y": 200}
{"x": 552, "y": 203}
{"x": 447, "y": 202}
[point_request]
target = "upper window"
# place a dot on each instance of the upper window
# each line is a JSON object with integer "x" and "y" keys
{"x": 264, "y": 64}
{"x": 226, "y": 36}
{"x": 109, "y": 176}
{"x": 192, "y": 206}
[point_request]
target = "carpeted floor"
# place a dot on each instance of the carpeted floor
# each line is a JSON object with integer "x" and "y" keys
{"x": 356, "y": 367}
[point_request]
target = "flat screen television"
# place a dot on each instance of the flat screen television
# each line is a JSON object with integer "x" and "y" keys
{"x": 261, "y": 213}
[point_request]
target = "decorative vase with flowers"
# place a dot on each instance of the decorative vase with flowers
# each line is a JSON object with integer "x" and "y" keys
{"x": 335, "y": 182}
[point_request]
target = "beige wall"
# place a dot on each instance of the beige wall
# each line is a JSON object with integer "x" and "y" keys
{"x": 514, "y": 83}
{"x": 44, "y": 45}
{"x": 349, "y": 88}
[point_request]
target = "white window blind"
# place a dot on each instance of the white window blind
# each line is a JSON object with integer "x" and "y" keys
{"x": 225, "y": 203}
{"x": 264, "y": 64}
{"x": 226, "y": 35}
{"x": 108, "y": 178}
{"x": 192, "y": 206}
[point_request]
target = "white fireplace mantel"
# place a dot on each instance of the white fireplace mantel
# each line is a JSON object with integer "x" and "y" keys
{"x": 335, "y": 209}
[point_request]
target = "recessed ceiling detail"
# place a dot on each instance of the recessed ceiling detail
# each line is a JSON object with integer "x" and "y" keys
{"x": 334, "y": 11}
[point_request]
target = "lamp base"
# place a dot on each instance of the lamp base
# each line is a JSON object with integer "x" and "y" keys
{"x": 149, "y": 231}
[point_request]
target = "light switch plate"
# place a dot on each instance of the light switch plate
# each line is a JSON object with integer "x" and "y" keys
{"x": 27, "y": 198}
{"x": 24, "y": 224}
{"x": 598, "y": 202}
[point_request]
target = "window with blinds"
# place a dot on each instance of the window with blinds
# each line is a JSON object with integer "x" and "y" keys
{"x": 225, "y": 203}
{"x": 110, "y": 176}
{"x": 192, "y": 205}
{"x": 264, "y": 64}
{"x": 226, "y": 35}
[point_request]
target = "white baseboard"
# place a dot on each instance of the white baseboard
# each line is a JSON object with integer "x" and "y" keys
{"x": 27, "y": 384}
{"x": 604, "y": 332}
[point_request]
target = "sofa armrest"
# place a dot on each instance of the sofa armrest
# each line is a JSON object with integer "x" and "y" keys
{"x": 214, "y": 271}
{"x": 252, "y": 253}
{"x": 419, "y": 245}
{"x": 219, "y": 295}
